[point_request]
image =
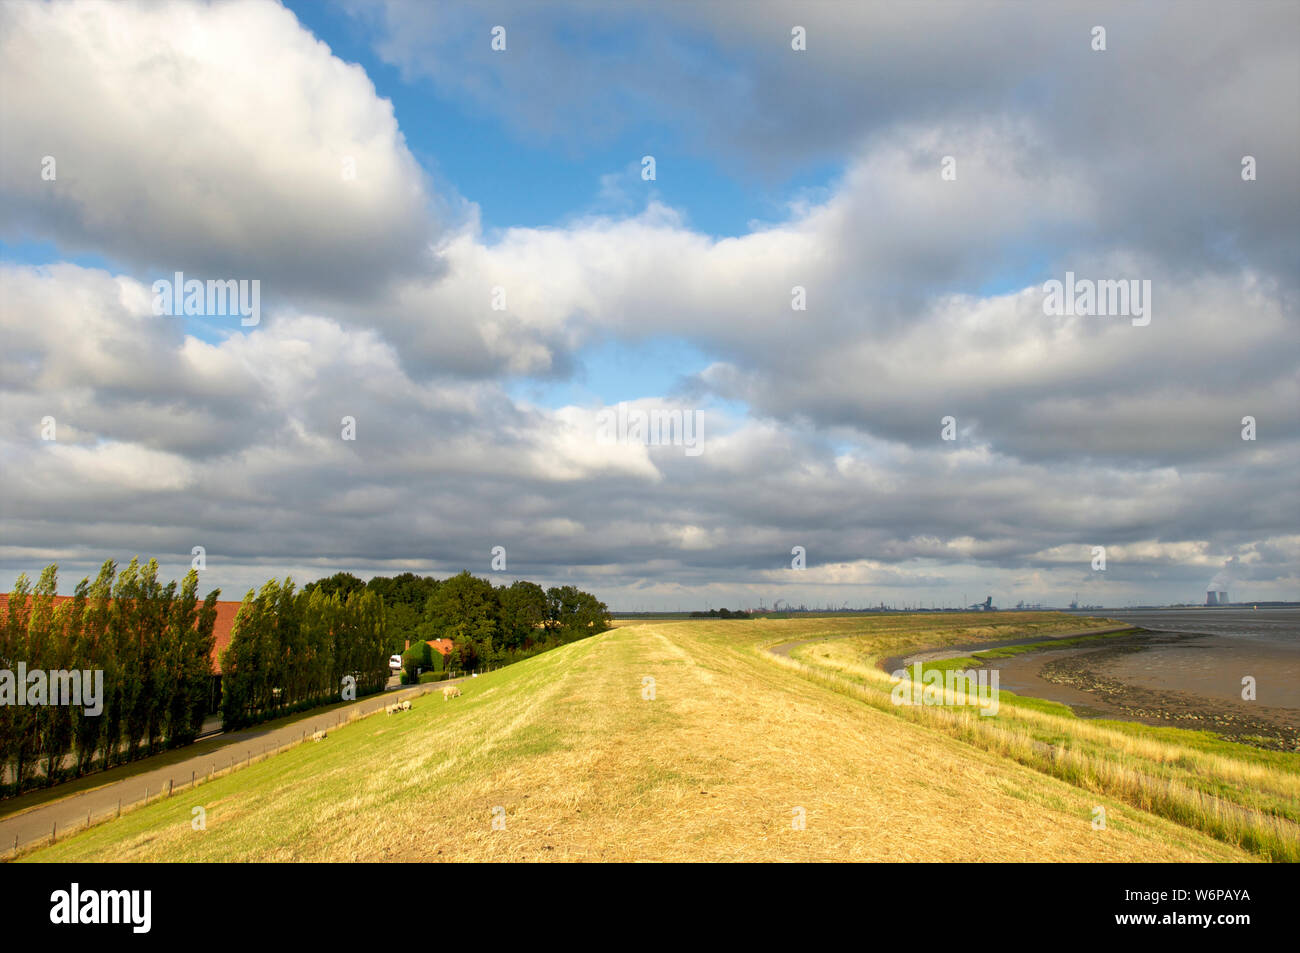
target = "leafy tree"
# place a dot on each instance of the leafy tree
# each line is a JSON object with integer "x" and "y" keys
{"x": 57, "y": 730}
{"x": 190, "y": 641}
{"x": 523, "y": 614}
{"x": 341, "y": 584}
{"x": 120, "y": 713}
{"x": 149, "y": 641}
{"x": 418, "y": 657}
{"x": 575, "y": 613}
{"x": 289, "y": 649}
{"x": 292, "y": 649}
{"x": 464, "y": 609}
{"x": 13, "y": 718}
{"x": 98, "y": 654}
{"x": 40, "y": 650}
{"x": 92, "y": 653}
{"x": 404, "y": 597}
{"x": 466, "y": 654}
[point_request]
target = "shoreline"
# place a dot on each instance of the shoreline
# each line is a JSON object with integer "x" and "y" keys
{"x": 893, "y": 663}
{"x": 785, "y": 648}
{"x": 1079, "y": 677}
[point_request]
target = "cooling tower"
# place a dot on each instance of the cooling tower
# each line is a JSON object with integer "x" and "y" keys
{"x": 1211, "y": 598}
{"x": 1223, "y": 598}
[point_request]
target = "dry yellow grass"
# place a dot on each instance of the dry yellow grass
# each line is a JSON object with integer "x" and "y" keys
{"x": 1231, "y": 791}
{"x": 584, "y": 768}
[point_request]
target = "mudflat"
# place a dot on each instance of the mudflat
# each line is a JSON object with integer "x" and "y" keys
{"x": 1183, "y": 680}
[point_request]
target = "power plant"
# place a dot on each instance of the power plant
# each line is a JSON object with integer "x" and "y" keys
{"x": 1216, "y": 598}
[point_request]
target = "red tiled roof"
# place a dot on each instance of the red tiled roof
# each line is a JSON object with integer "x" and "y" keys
{"x": 221, "y": 629}
{"x": 442, "y": 646}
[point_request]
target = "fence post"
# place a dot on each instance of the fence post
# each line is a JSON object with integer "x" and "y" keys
{"x": 119, "y": 807}
{"x": 169, "y": 787}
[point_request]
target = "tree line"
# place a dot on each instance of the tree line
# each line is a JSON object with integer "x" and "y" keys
{"x": 488, "y": 625}
{"x": 153, "y": 643}
{"x": 292, "y": 650}
{"x": 289, "y": 650}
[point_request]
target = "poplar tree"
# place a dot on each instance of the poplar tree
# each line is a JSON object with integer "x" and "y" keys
{"x": 12, "y": 651}
{"x": 98, "y": 654}
{"x": 57, "y": 733}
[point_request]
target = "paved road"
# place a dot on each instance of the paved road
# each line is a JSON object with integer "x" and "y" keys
{"x": 34, "y": 824}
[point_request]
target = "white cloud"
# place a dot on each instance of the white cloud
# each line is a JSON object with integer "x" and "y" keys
{"x": 205, "y": 137}
{"x": 210, "y": 138}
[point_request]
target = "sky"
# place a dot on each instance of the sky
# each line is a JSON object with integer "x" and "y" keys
{"x": 838, "y": 275}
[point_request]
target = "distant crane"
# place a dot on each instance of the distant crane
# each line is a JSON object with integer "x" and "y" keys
{"x": 986, "y": 605}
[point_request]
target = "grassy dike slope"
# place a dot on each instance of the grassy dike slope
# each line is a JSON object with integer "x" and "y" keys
{"x": 585, "y": 769}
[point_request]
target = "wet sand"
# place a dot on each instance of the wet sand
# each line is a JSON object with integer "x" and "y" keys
{"x": 1214, "y": 667}
{"x": 1160, "y": 678}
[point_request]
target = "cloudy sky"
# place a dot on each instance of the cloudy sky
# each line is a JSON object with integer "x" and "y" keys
{"x": 461, "y": 249}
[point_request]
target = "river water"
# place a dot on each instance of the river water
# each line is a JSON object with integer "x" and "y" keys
{"x": 1279, "y": 626}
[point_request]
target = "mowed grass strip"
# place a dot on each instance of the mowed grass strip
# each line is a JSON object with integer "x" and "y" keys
{"x": 585, "y": 768}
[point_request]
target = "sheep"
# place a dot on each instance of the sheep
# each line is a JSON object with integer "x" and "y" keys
{"x": 406, "y": 705}
{"x": 389, "y": 709}
{"x": 450, "y": 691}
{"x": 319, "y": 736}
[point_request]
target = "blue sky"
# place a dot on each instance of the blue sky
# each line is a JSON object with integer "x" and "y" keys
{"x": 532, "y": 182}
{"x": 517, "y": 180}
{"x": 818, "y": 168}
{"x": 537, "y": 181}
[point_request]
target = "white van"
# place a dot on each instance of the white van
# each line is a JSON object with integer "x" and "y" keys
{"x": 395, "y": 663}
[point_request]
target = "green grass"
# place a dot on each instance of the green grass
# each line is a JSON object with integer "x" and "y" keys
{"x": 1008, "y": 651}
{"x": 585, "y": 768}
{"x": 1233, "y": 791}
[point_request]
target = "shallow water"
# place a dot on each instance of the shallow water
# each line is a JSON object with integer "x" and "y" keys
{"x": 1215, "y": 649}
{"x": 1280, "y": 626}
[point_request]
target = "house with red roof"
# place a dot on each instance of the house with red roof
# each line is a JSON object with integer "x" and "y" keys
{"x": 442, "y": 646}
